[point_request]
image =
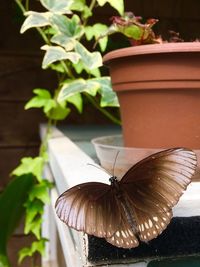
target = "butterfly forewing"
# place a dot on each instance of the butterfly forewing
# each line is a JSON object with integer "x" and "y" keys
{"x": 157, "y": 182}
{"x": 90, "y": 207}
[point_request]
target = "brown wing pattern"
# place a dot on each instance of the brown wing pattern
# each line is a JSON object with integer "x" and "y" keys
{"x": 156, "y": 183}
{"x": 152, "y": 225}
{"x": 89, "y": 208}
{"x": 125, "y": 236}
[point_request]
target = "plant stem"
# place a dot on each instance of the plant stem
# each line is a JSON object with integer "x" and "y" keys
{"x": 27, "y": 5}
{"x": 67, "y": 69}
{"x": 43, "y": 35}
{"x": 44, "y": 143}
{"x": 91, "y": 6}
{"x": 102, "y": 110}
{"x": 18, "y": 2}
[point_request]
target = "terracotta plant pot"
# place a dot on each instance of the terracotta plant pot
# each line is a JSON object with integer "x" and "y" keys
{"x": 158, "y": 87}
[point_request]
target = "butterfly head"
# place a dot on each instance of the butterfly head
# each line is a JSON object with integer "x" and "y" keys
{"x": 113, "y": 180}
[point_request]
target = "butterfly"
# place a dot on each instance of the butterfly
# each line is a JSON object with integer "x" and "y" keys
{"x": 136, "y": 208}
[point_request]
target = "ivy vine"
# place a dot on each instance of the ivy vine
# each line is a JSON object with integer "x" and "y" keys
{"x": 65, "y": 28}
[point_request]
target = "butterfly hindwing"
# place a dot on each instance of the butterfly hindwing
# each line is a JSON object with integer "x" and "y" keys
{"x": 152, "y": 225}
{"x": 125, "y": 236}
{"x": 88, "y": 207}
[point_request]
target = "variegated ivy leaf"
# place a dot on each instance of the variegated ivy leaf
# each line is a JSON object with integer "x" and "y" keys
{"x": 68, "y": 26}
{"x": 116, "y": 4}
{"x": 90, "y": 60}
{"x": 57, "y": 6}
{"x": 108, "y": 96}
{"x": 35, "y": 19}
{"x": 64, "y": 41}
{"x": 92, "y": 72}
{"x": 56, "y": 53}
{"x": 78, "y": 86}
{"x": 91, "y": 86}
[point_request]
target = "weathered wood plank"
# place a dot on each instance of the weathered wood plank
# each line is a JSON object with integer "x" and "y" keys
{"x": 21, "y": 73}
{"x": 10, "y": 158}
{"x": 17, "y": 126}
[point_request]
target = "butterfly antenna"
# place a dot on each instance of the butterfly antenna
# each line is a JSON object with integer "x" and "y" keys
{"x": 114, "y": 164}
{"x": 100, "y": 168}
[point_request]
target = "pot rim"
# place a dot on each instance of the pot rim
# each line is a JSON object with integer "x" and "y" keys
{"x": 97, "y": 141}
{"x": 152, "y": 49}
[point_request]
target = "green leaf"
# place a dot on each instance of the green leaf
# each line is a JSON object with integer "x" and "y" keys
{"x": 77, "y": 86}
{"x": 35, "y": 19}
{"x": 116, "y": 4}
{"x": 90, "y": 60}
{"x": 60, "y": 112}
{"x": 108, "y": 96}
{"x": 87, "y": 12}
{"x": 4, "y": 262}
{"x": 39, "y": 191}
{"x": 57, "y": 53}
{"x": 55, "y": 6}
{"x": 58, "y": 67}
{"x": 68, "y": 26}
{"x": 78, "y": 5}
{"x": 30, "y": 166}
{"x": 23, "y": 253}
{"x": 132, "y": 31}
{"x": 43, "y": 99}
{"x": 12, "y": 200}
{"x": 37, "y": 246}
{"x": 94, "y": 72}
{"x": 79, "y": 67}
{"x": 95, "y": 31}
{"x": 34, "y": 227}
{"x": 33, "y": 208}
{"x": 77, "y": 101}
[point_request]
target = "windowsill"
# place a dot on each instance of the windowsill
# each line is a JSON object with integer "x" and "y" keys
{"x": 69, "y": 165}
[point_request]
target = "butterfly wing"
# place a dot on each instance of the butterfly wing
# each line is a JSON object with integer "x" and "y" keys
{"x": 91, "y": 208}
{"x": 151, "y": 225}
{"x": 145, "y": 227}
{"x": 125, "y": 236}
{"x": 156, "y": 183}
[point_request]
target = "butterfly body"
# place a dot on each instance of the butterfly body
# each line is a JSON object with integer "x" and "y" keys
{"x": 138, "y": 207}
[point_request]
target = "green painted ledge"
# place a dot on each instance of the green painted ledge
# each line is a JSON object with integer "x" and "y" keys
{"x": 184, "y": 262}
